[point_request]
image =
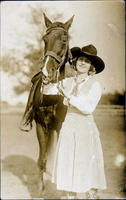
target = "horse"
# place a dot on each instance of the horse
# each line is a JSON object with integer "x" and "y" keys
{"x": 48, "y": 110}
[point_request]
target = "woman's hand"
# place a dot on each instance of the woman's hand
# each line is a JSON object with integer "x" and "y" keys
{"x": 62, "y": 91}
{"x": 66, "y": 97}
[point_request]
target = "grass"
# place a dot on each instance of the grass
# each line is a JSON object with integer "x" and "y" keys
{"x": 19, "y": 153}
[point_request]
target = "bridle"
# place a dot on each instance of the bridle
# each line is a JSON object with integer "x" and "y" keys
{"x": 59, "y": 59}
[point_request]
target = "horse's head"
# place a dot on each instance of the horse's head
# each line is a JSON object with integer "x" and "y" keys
{"x": 56, "y": 42}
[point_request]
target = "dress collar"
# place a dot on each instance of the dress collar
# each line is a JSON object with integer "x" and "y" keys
{"x": 83, "y": 80}
{"x": 76, "y": 88}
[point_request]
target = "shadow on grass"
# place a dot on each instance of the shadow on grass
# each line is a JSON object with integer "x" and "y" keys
{"x": 27, "y": 171}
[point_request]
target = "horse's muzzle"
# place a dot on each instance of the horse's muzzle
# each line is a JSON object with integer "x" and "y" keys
{"x": 46, "y": 80}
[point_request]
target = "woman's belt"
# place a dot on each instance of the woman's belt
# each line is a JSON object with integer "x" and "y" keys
{"x": 72, "y": 109}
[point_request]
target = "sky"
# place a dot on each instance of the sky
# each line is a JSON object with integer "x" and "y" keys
{"x": 100, "y": 23}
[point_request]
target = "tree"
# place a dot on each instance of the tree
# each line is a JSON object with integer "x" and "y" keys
{"x": 116, "y": 98}
{"x": 30, "y": 62}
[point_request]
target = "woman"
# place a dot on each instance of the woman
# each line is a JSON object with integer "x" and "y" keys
{"x": 79, "y": 166}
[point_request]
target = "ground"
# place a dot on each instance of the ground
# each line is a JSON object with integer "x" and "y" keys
{"x": 19, "y": 153}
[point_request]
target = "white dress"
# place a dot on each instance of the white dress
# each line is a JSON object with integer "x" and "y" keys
{"x": 78, "y": 163}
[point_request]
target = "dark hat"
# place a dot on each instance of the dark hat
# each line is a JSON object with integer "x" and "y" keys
{"x": 89, "y": 52}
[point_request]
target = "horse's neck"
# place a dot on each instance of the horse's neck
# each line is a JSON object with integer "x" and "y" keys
{"x": 62, "y": 75}
{"x": 36, "y": 77}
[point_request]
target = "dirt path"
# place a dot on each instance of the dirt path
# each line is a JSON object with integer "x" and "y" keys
{"x": 19, "y": 152}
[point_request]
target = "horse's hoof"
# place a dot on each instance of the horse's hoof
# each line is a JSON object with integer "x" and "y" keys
{"x": 91, "y": 195}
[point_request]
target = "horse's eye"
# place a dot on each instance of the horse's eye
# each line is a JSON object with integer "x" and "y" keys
{"x": 53, "y": 69}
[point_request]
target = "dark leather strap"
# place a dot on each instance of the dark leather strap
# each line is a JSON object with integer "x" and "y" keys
{"x": 56, "y": 28}
{"x": 54, "y": 55}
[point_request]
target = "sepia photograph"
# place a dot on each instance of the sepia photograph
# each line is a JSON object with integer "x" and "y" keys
{"x": 62, "y": 73}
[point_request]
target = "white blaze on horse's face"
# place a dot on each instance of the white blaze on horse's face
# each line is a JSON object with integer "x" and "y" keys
{"x": 56, "y": 47}
{"x": 44, "y": 70}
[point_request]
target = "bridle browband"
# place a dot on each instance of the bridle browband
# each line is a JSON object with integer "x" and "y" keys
{"x": 56, "y": 28}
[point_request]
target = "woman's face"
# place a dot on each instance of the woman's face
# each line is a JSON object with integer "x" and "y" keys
{"x": 83, "y": 64}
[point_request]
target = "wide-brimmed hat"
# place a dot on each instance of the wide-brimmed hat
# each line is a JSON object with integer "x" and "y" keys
{"x": 89, "y": 52}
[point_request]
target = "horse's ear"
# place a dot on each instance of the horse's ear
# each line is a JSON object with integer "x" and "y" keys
{"x": 47, "y": 21}
{"x": 69, "y": 22}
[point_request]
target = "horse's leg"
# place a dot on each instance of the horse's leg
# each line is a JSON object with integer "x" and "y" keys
{"x": 42, "y": 139}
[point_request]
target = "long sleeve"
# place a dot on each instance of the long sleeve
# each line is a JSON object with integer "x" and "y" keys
{"x": 66, "y": 84}
{"x": 87, "y": 103}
